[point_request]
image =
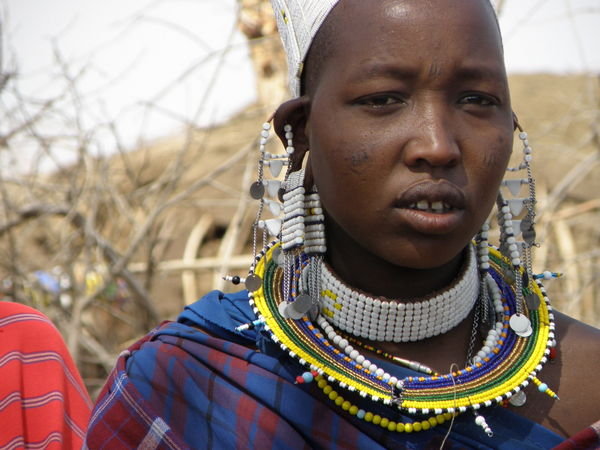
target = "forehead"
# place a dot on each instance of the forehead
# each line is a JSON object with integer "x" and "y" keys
{"x": 413, "y": 31}
{"x": 440, "y": 12}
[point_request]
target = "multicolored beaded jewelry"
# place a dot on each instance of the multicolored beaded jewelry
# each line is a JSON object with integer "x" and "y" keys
{"x": 413, "y": 365}
{"x": 502, "y": 368}
{"x": 391, "y": 320}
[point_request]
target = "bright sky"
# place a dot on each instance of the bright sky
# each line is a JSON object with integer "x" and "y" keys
{"x": 556, "y": 36}
{"x": 168, "y": 53}
{"x": 141, "y": 48}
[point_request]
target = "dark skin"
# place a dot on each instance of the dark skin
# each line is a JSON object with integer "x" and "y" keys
{"x": 411, "y": 104}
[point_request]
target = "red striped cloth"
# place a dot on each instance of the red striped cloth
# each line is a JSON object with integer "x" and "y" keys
{"x": 586, "y": 439}
{"x": 43, "y": 402}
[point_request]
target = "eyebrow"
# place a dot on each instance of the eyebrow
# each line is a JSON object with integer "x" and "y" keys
{"x": 481, "y": 72}
{"x": 369, "y": 71}
{"x": 474, "y": 72}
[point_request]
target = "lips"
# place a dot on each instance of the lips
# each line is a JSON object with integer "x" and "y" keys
{"x": 436, "y": 197}
{"x": 431, "y": 207}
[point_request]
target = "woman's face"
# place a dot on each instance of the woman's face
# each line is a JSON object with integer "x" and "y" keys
{"x": 409, "y": 128}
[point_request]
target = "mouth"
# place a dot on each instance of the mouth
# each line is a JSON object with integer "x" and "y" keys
{"x": 431, "y": 207}
{"x": 433, "y": 197}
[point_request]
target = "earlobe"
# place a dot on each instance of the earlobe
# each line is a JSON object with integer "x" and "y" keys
{"x": 295, "y": 113}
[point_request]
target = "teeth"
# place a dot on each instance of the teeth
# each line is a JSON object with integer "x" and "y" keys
{"x": 436, "y": 207}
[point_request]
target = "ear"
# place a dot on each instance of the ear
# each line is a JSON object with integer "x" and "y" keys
{"x": 516, "y": 124}
{"x": 295, "y": 113}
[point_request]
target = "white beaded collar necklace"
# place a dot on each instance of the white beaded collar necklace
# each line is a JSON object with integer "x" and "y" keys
{"x": 379, "y": 319}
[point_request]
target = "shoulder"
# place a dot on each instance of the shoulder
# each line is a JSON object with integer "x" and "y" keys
{"x": 8, "y": 309}
{"x": 220, "y": 314}
{"x": 25, "y": 327}
{"x": 574, "y": 373}
{"x": 578, "y": 343}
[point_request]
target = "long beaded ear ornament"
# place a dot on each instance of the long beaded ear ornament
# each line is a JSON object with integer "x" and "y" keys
{"x": 261, "y": 190}
{"x": 297, "y": 223}
{"x": 520, "y": 251}
{"x": 519, "y": 205}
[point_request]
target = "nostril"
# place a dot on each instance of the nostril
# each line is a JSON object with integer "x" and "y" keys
{"x": 432, "y": 153}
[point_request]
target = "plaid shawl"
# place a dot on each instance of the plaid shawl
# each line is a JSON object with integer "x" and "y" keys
{"x": 197, "y": 383}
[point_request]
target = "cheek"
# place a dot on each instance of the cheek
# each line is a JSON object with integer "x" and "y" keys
{"x": 346, "y": 159}
{"x": 499, "y": 154}
{"x": 491, "y": 168}
{"x": 358, "y": 160}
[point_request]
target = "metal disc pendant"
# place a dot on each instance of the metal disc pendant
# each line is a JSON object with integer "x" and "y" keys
{"x": 528, "y": 230}
{"x": 303, "y": 303}
{"x": 532, "y": 301}
{"x": 519, "y": 399}
{"x": 253, "y": 283}
{"x": 299, "y": 307}
{"x": 283, "y": 310}
{"x": 528, "y": 332}
{"x": 291, "y": 313}
{"x": 257, "y": 190}
{"x": 519, "y": 323}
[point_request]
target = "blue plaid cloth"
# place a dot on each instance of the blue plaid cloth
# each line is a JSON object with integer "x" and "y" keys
{"x": 198, "y": 383}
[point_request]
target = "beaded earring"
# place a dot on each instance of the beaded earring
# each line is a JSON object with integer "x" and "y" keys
{"x": 525, "y": 227}
{"x": 315, "y": 245}
{"x": 315, "y": 225}
{"x": 292, "y": 230}
{"x": 300, "y": 231}
{"x": 484, "y": 313}
{"x": 519, "y": 252}
{"x": 257, "y": 191}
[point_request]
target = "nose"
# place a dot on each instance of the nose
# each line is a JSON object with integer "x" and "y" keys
{"x": 432, "y": 140}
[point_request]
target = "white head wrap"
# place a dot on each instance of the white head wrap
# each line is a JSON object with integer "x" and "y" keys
{"x": 298, "y": 21}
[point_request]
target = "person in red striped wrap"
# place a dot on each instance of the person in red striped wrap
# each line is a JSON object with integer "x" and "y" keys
{"x": 43, "y": 401}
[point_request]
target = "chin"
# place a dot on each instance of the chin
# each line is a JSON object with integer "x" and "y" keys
{"x": 427, "y": 257}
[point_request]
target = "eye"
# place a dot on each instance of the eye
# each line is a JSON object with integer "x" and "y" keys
{"x": 379, "y": 101}
{"x": 478, "y": 99}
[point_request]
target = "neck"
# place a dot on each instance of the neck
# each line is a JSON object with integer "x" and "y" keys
{"x": 363, "y": 270}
